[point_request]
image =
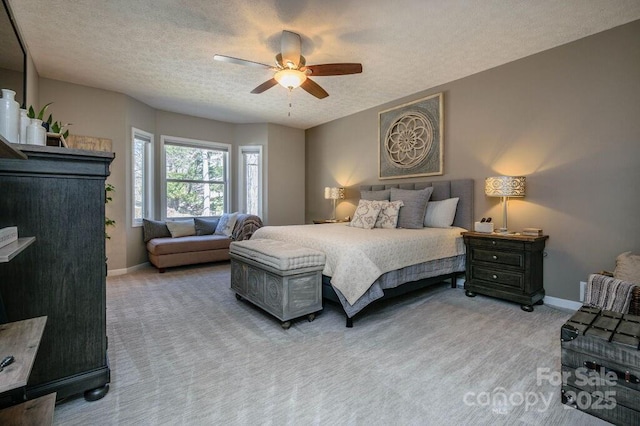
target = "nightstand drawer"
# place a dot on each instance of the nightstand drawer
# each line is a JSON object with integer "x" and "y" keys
{"x": 496, "y": 243}
{"x": 498, "y": 257}
{"x": 511, "y": 279}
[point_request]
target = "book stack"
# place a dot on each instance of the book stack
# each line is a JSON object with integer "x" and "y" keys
{"x": 8, "y": 235}
{"x": 533, "y": 232}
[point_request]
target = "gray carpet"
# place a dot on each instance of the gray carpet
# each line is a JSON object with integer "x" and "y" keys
{"x": 183, "y": 350}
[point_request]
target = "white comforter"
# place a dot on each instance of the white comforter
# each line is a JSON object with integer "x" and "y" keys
{"x": 357, "y": 257}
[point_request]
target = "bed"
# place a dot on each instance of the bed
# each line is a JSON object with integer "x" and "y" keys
{"x": 364, "y": 265}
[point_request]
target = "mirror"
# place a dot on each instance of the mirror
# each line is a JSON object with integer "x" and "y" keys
{"x": 12, "y": 57}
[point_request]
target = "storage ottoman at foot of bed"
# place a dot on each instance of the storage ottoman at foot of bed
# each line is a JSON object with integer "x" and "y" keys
{"x": 601, "y": 364}
{"x": 281, "y": 278}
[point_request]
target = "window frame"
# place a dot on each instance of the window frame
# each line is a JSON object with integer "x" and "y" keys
{"x": 192, "y": 143}
{"x": 148, "y": 199}
{"x": 242, "y": 173}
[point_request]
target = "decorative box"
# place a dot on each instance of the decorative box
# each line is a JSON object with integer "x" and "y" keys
{"x": 486, "y": 227}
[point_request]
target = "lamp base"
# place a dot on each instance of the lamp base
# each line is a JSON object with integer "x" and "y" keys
{"x": 502, "y": 231}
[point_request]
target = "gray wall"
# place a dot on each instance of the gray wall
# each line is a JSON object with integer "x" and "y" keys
{"x": 106, "y": 114}
{"x": 568, "y": 119}
{"x": 283, "y": 170}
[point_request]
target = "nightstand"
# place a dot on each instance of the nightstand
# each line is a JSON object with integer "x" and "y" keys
{"x": 507, "y": 266}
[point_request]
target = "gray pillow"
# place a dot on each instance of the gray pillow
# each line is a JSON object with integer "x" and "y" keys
{"x": 205, "y": 225}
{"x": 154, "y": 229}
{"x": 415, "y": 206}
{"x": 382, "y": 195}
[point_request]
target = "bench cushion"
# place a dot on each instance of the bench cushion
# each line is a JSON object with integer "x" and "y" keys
{"x": 278, "y": 254}
{"x": 160, "y": 246}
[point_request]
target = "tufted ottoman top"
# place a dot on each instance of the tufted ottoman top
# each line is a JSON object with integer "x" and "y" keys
{"x": 278, "y": 254}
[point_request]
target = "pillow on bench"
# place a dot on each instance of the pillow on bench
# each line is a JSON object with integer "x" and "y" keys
{"x": 154, "y": 229}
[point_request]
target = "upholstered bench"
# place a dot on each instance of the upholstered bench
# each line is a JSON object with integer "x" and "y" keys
{"x": 281, "y": 278}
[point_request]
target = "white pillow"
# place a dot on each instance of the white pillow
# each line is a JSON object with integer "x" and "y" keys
{"x": 440, "y": 214}
{"x": 366, "y": 214}
{"x": 181, "y": 228}
{"x": 388, "y": 216}
{"x": 226, "y": 224}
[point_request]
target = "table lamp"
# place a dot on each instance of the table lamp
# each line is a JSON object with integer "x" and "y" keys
{"x": 334, "y": 194}
{"x": 505, "y": 187}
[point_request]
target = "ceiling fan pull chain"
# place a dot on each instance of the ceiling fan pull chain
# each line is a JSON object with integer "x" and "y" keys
{"x": 289, "y": 96}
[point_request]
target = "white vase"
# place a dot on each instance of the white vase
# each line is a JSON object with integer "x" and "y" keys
{"x": 36, "y": 134}
{"x": 9, "y": 116}
{"x": 24, "y": 123}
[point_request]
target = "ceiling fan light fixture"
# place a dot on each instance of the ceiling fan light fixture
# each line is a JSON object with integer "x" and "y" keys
{"x": 289, "y": 78}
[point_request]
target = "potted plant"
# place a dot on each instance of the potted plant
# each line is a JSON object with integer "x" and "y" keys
{"x": 59, "y": 128}
{"x": 32, "y": 114}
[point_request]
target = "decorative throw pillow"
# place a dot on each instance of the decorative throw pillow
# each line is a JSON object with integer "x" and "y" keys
{"x": 226, "y": 224}
{"x": 415, "y": 206}
{"x": 375, "y": 195}
{"x": 440, "y": 214}
{"x": 205, "y": 225}
{"x": 366, "y": 214}
{"x": 154, "y": 229}
{"x": 388, "y": 216}
{"x": 181, "y": 228}
{"x": 628, "y": 267}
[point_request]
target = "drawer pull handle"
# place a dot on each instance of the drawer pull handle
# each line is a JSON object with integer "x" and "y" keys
{"x": 495, "y": 277}
{"x": 493, "y": 242}
{"x": 495, "y": 257}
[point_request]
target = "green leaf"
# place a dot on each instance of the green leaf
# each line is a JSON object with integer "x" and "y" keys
{"x": 43, "y": 110}
{"x": 31, "y": 113}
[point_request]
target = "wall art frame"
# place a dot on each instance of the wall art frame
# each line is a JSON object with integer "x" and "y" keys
{"x": 410, "y": 139}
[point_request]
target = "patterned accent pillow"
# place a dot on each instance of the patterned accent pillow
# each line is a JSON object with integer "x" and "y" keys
{"x": 226, "y": 224}
{"x": 181, "y": 228}
{"x": 205, "y": 225}
{"x": 389, "y": 212}
{"x": 440, "y": 214}
{"x": 382, "y": 195}
{"x": 154, "y": 229}
{"x": 628, "y": 267}
{"x": 366, "y": 214}
{"x": 415, "y": 206}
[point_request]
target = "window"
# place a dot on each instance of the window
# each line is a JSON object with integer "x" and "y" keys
{"x": 196, "y": 178}
{"x": 251, "y": 179}
{"x": 142, "y": 181}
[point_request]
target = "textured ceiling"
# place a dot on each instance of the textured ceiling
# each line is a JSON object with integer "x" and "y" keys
{"x": 161, "y": 51}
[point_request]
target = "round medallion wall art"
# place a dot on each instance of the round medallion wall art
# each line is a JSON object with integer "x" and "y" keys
{"x": 410, "y": 139}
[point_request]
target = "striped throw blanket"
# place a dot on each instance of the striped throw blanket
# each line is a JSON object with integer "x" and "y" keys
{"x": 608, "y": 293}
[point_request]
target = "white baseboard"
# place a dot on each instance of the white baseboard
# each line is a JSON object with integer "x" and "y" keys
{"x": 116, "y": 272}
{"x": 556, "y": 302}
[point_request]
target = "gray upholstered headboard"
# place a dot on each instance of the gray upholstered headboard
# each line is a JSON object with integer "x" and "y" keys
{"x": 443, "y": 189}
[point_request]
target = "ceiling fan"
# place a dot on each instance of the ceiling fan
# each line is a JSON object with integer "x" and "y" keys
{"x": 291, "y": 70}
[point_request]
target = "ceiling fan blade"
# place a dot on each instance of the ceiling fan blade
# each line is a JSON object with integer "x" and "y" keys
{"x": 290, "y": 48}
{"x": 313, "y": 88}
{"x": 237, "y": 61}
{"x": 265, "y": 86}
{"x": 334, "y": 69}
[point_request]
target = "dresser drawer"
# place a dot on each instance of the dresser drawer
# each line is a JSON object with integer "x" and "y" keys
{"x": 496, "y": 243}
{"x": 498, "y": 257}
{"x": 506, "y": 278}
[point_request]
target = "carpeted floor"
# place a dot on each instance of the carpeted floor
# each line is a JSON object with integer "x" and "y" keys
{"x": 183, "y": 350}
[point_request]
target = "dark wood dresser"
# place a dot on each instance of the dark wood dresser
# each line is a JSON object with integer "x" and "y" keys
{"x": 507, "y": 266}
{"x": 57, "y": 196}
